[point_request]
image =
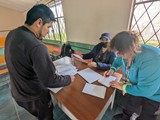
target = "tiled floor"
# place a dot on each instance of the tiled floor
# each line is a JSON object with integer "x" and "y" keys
{"x": 9, "y": 110}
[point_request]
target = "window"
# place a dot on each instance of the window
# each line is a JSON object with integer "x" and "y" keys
{"x": 146, "y": 21}
{"x": 57, "y": 32}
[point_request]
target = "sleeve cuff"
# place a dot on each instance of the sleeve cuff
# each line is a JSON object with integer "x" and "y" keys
{"x": 114, "y": 69}
{"x": 124, "y": 88}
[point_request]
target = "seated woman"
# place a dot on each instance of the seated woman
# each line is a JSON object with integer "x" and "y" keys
{"x": 101, "y": 54}
{"x": 104, "y": 58}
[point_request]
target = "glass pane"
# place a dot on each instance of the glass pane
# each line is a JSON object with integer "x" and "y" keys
{"x": 62, "y": 29}
{"x": 146, "y": 21}
{"x": 58, "y": 30}
{"x": 138, "y": 1}
{"x": 156, "y": 22}
{"x": 54, "y": 11}
{"x": 139, "y": 11}
{"x": 154, "y": 9}
{"x": 59, "y": 10}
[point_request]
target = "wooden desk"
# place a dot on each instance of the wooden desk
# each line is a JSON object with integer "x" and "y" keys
{"x": 78, "y": 105}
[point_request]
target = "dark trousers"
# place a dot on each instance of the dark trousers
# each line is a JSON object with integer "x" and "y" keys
{"x": 41, "y": 108}
{"x": 144, "y": 107}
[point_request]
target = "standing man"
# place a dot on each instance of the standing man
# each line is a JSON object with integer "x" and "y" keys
{"x": 30, "y": 66}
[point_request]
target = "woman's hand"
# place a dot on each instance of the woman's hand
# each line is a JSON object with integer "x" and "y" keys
{"x": 108, "y": 73}
{"x": 116, "y": 84}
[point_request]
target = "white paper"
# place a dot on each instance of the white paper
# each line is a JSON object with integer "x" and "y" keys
{"x": 55, "y": 90}
{"x": 66, "y": 69}
{"x": 77, "y": 56}
{"x": 70, "y": 72}
{"x": 95, "y": 90}
{"x": 64, "y": 60}
{"x": 89, "y": 75}
{"x": 106, "y": 80}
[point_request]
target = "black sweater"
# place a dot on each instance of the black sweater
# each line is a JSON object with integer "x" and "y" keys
{"x": 30, "y": 66}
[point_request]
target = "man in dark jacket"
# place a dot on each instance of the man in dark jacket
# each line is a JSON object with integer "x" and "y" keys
{"x": 101, "y": 54}
{"x": 30, "y": 66}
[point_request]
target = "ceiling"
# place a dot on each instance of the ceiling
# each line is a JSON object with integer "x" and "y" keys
{"x": 20, "y": 5}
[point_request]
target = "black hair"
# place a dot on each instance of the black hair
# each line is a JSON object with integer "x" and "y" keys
{"x": 39, "y": 11}
{"x": 123, "y": 41}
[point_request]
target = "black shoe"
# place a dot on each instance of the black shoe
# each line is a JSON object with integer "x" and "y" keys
{"x": 118, "y": 117}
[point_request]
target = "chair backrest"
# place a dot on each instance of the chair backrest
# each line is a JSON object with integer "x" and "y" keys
{"x": 66, "y": 50}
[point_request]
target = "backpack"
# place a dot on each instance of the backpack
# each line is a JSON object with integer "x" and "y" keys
{"x": 66, "y": 50}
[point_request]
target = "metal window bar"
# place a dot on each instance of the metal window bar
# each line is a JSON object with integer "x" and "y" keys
{"x": 139, "y": 29}
{"x": 141, "y": 15}
{"x": 146, "y": 2}
{"x": 151, "y": 23}
{"x": 153, "y": 35}
{"x": 154, "y": 29}
{"x": 58, "y": 29}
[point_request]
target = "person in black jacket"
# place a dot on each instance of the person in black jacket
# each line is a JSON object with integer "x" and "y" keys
{"x": 101, "y": 54}
{"x": 30, "y": 66}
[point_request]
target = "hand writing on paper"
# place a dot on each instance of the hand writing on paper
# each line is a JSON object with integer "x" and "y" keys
{"x": 72, "y": 78}
{"x": 92, "y": 64}
{"x": 116, "y": 84}
{"x": 108, "y": 73}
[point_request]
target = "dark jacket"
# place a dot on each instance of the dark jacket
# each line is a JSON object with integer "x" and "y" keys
{"x": 30, "y": 66}
{"x": 94, "y": 52}
{"x": 104, "y": 61}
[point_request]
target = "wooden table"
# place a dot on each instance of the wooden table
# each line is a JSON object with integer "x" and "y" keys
{"x": 78, "y": 105}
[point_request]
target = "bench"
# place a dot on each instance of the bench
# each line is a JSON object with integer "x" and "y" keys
{"x": 54, "y": 47}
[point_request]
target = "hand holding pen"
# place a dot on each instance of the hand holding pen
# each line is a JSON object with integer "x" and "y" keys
{"x": 108, "y": 73}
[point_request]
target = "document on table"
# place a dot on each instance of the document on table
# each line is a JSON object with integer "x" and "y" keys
{"x": 89, "y": 75}
{"x": 55, "y": 90}
{"x": 66, "y": 69}
{"x": 95, "y": 90}
{"x": 77, "y": 56}
{"x": 106, "y": 80}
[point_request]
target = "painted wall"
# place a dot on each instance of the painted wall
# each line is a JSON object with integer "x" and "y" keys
{"x": 86, "y": 19}
{"x": 10, "y": 19}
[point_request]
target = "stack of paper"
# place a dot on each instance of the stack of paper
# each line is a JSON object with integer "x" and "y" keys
{"x": 66, "y": 69}
{"x": 64, "y": 60}
{"x": 89, "y": 75}
{"x": 106, "y": 80}
{"x": 95, "y": 90}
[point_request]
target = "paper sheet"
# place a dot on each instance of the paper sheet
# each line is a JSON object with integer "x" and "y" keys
{"x": 95, "y": 90}
{"x": 106, "y": 80}
{"x": 89, "y": 75}
{"x": 64, "y": 60}
{"x": 66, "y": 69}
{"x": 55, "y": 90}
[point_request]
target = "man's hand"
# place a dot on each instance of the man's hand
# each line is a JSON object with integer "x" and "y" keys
{"x": 72, "y": 78}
